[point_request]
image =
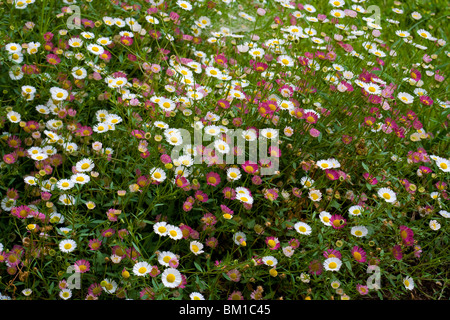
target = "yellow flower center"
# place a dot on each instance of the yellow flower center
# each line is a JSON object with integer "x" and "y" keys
{"x": 170, "y": 278}
{"x": 162, "y": 229}
{"x": 142, "y": 270}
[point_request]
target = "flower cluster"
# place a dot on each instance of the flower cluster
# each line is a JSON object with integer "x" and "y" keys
{"x": 222, "y": 149}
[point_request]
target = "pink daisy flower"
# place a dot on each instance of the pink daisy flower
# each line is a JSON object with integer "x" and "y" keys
{"x": 209, "y": 219}
{"x": 106, "y": 55}
{"x": 229, "y": 193}
{"x": 224, "y": 104}
{"x": 274, "y": 152}
{"x": 337, "y": 221}
{"x": 370, "y": 178}
{"x": 250, "y": 167}
{"x": 315, "y": 267}
{"x": 359, "y": 254}
{"x": 21, "y": 212}
{"x": 212, "y": 179}
{"x": 82, "y": 266}
{"x": 363, "y": 290}
{"x": 236, "y": 295}
{"x": 12, "y": 259}
{"x": 273, "y": 243}
{"x": 407, "y": 235}
{"x": 234, "y": 275}
{"x": 332, "y": 253}
{"x": 12, "y": 194}
{"x": 147, "y": 294}
{"x": 154, "y": 271}
{"x": 95, "y": 289}
{"x": 187, "y": 206}
{"x": 201, "y": 196}
{"x": 331, "y": 174}
{"x": 14, "y": 142}
{"x": 10, "y": 158}
{"x": 62, "y": 284}
{"x": 132, "y": 254}
{"x": 181, "y": 182}
{"x": 297, "y": 192}
{"x": 256, "y": 180}
{"x": 314, "y": 132}
{"x": 417, "y": 251}
{"x": 53, "y": 59}
{"x": 107, "y": 233}
{"x": 310, "y": 117}
{"x": 173, "y": 263}
{"x": 271, "y": 194}
{"x": 94, "y": 244}
{"x": 416, "y": 75}
{"x": 211, "y": 242}
{"x": 397, "y": 252}
{"x": 294, "y": 243}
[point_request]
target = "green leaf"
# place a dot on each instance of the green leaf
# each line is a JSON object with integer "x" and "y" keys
{"x": 335, "y": 204}
{"x": 365, "y": 166}
{"x": 349, "y": 266}
{"x": 198, "y": 266}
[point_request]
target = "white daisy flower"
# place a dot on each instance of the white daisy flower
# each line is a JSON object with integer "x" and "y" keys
{"x": 65, "y": 184}
{"x": 359, "y": 231}
{"x": 434, "y": 225}
{"x": 408, "y": 282}
{"x": 196, "y": 247}
{"x": 387, "y": 194}
{"x": 332, "y": 264}
{"x": 270, "y": 261}
{"x": 325, "y": 218}
{"x": 165, "y": 256}
{"x": 171, "y": 277}
{"x": 160, "y": 228}
{"x": 141, "y": 269}
{"x": 174, "y": 232}
{"x": 85, "y": 165}
{"x": 302, "y": 228}
{"x": 67, "y": 245}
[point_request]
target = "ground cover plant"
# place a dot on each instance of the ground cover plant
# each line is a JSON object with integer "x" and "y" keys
{"x": 224, "y": 150}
